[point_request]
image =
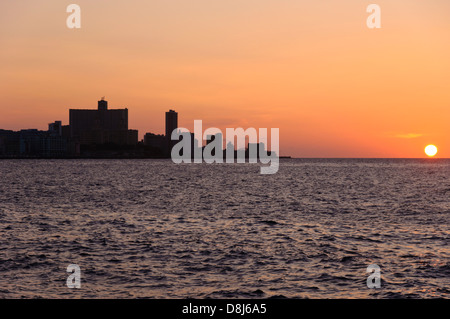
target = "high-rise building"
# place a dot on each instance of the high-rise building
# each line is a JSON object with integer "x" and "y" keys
{"x": 171, "y": 122}
{"x": 101, "y": 126}
{"x": 171, "y": 125}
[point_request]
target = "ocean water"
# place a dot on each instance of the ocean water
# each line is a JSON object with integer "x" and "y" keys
{"x": 154, "y": 229}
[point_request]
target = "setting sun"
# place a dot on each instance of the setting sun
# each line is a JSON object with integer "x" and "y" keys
{"x": 431, "y": 150}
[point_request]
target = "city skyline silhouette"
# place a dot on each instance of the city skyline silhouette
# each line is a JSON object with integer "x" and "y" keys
{"x": 334, "y": 87}
{"x": 105, "y": 133}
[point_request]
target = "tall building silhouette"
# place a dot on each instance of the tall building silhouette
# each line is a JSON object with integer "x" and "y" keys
{"x": 171, "y": 125}
{"x": 101, "y": 126}
{"x": 171, "y": 122}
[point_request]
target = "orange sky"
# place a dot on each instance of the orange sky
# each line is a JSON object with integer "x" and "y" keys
{"x": 311, "y": 68}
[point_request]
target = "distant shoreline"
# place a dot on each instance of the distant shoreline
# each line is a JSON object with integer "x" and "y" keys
{"x": 168, "y": 158}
